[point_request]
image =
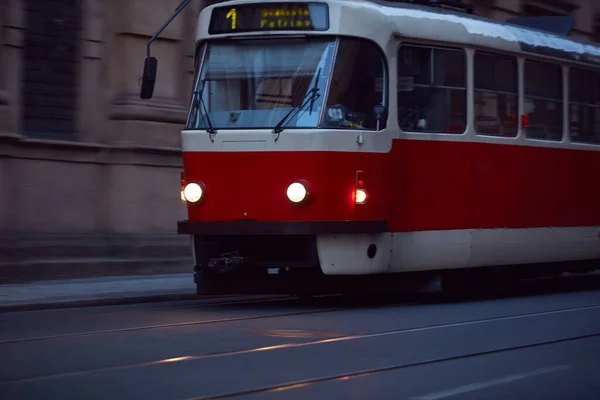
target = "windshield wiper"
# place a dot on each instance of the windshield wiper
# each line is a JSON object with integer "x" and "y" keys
{"x": 199, "y": 101}
{"x": 311, "y": 96}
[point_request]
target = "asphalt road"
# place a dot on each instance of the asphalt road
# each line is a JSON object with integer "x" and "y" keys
{"x": 542, "y": 346}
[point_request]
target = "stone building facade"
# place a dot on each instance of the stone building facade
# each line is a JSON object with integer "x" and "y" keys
{"x": 89, "y": 172}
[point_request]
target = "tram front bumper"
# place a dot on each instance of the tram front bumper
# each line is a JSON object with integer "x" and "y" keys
{"x": 245, "y": 227}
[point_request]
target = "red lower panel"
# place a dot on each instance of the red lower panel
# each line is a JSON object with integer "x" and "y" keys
{"x": 419, "y": 185}
{"x": 458, "y": 185}
{"x": 253, "y": 185}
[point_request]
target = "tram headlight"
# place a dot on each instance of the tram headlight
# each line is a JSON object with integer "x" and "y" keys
{"x": 193, "y": 192}
{"x": 297, "y": 192}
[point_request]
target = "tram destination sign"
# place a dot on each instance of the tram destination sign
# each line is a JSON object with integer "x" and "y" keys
{"x": 257, "y": 17}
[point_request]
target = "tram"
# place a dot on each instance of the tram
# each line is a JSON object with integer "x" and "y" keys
{"x": 354, "y": 140}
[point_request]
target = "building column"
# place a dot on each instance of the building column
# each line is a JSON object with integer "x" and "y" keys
{"x": 92, "y": 100}
{"x": 190, "y": 16}
{"x": 3, "y": 94}
{"x": 144, "y": 136}
{"x": 11, "y": 55}
{"x": 133, "y": 121}
{"x": 11, "y": 58}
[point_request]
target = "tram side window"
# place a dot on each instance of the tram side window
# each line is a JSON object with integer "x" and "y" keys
{"x": 496, "y": 95}
{"x": 432, "y": 89}
{"x": 584, "y": 106}
{"x": 358, "y": 85}
{"x": 543, "y": 100}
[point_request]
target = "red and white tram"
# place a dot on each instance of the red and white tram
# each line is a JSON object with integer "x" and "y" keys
{"x": 343, "y": 138}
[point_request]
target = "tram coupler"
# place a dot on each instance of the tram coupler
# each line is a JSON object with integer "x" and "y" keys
{"x": 226, "y": 263}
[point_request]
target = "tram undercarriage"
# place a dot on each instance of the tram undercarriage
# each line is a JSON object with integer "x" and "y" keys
{"x": 255, "y": 264}
{"x": 270, "y": 264}
{"x": 289, "y": 264}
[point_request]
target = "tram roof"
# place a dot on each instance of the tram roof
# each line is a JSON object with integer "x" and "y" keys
{"x": 406, "y": 21}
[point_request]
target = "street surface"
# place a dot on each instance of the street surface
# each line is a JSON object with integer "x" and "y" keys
{"x": 541, "y": 344}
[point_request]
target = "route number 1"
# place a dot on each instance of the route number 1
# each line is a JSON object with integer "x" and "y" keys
{"x": 233, "y": 15}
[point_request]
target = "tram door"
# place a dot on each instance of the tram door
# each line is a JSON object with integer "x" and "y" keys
{"x": 358, "y": 102}
{"x": 358, "y": 97}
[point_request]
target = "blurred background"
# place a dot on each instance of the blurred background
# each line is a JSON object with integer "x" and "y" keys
{"x": 89, "y": 173}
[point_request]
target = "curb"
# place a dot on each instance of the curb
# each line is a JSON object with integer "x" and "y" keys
{"x": 47, "y": 271}
{"x": 102, "y": 302}
{"x": 115, "y": 301}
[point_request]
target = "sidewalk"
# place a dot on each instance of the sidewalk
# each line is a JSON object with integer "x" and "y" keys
{"x": 96, "y": 291}
{"x": 30, "y": 258}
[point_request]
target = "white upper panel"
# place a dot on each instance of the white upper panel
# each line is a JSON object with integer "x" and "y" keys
{"x": 382, "y": 20}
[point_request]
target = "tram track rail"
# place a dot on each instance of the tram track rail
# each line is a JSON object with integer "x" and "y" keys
{"x": 549, "y": 285}
{"x": 245, "y": 300}
{"x": 202, "y": 303}
{"x": 192, "y": 323}
{"x": 344, "y": 338}
{"x": 173, "y": 305}
{"x": 234, "y": 301}
{"x": 395, "y": 367}
{"x": 132, "y": 303}
{"x": 544, "y": 286}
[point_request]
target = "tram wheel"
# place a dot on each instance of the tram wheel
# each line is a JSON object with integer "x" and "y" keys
{"x": 457, "y": 285}
{"x": 208, "y": 284}
{"x": 461, "y": 285}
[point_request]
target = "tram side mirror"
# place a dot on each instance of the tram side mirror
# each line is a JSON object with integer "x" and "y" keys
{"x": 149, "y": 78}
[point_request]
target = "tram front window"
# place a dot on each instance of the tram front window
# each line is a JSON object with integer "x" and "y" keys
{"x": 253, "y": 84}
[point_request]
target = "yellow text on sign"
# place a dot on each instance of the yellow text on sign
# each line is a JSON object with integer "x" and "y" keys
{"x": 233, "y": 15}
{"x": 283, "y": 23}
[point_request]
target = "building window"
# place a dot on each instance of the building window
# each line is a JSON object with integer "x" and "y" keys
{"x": 496, "y": 95}
{"x": 432, "y": 89}
{"x": 584, "y": 106}
{"x": 51, "y": 64}
{"x": 543, "y": 100}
